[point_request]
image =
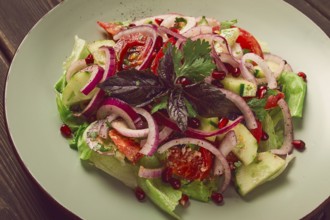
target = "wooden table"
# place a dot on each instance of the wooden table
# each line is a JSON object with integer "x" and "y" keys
{"x": 20, "y": 196}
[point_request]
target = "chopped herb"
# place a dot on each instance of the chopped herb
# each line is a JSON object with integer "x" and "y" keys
{"x": 203, "y": 21}
{"x": 180, "y": 19}
{"x": 258, "y": 105}
{"x": 246, "y": 51}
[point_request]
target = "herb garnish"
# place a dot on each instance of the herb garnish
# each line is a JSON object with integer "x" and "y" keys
{"x": 258, "y": 105}
{"x": 139, "y": 88}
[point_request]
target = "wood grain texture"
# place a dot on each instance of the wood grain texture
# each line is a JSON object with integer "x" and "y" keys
{"x": 20, "y": 195}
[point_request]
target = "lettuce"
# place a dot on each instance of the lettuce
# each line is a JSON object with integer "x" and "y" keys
{"x": 164, "y": 196}
{"x": 200, "y": 190}
{"x": 294, "y": 88}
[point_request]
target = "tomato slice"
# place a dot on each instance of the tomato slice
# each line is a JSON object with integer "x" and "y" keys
{"x": 273, "y": 99}
{"x": 160, "y": 54}
{"x": 257, "y": 132}
{"x": 127, "y": 146}
{"x": 248, "y": 42}
{"x": 190, "y": 164}
{"x": 111, "y": 28}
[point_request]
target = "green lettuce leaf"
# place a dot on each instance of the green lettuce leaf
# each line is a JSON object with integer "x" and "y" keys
{"x": 164, "y": 196}
{"x": 200, "y": 190}
{"x": 79, "y": 51}
{"x": 294, "y": 88}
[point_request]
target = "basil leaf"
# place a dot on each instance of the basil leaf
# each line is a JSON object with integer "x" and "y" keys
{"x": 162, "y": 104}
{"x": 208, "y": 100}
{"x": 137, "y": 88}
{"x": 166, "y": 68}
{"x": 177, "y": 109}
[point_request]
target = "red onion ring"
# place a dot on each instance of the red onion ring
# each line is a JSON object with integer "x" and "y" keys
{"x": 271, "y": 80}
{"x": 226, "y": 146}
{"x": 278, "y": 60}
{"x": 220, "y": 65}
{"x": 122, "y": 128}
{"x": 170, "y": 21}
{"x": 150, "y": 173}
{"x": 198, "y": 30}
{"x": 96, "y": 76}
{"x": 115, "y": 106}
{"x": 92, "y": 105}
{"x": 104, "y": 128}
{"x": 93, "y": 144}
{"x": 152, "y": 142}
{"x": 164, "y": 133}
{"x": 74, "y": 68}
{"x": 287, "y": 147}
{"x": 146, "y": 30}
{"x": 195, "y": 133}
{"x": 110, "y": 62}
{"x": 243, "y": 107}
{"x": 207, "y": 146}
{"x": 172, "y": 33}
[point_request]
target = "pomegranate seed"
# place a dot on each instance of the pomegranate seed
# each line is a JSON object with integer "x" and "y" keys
{"x": 184, "y": 81}
{"x": 167, "y": 175}
{"x": 159, "y": 21}
{"x": 89, "y": 59}
{"x": 66, "y": 131}
{"x": 139, "y": 194}
{"x": 184, "y": 201}
{"x": 131, "y": 25}
{"x": 217, "y": 83}
{"x": 302, "y": 75}
{"x": 235, "y": 72}
{"x": 219, "y": 75}
{"x": 222, "y": 122}
{"x": 261, "y": 92}
{"x": 299, "y": 144}
{"x": 217, "y": 198}
{"x": 175, "y": 183}
{"x": 194, "y": 122}
{"x": 264, "y": 136}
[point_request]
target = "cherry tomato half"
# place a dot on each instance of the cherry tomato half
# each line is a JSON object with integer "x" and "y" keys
{"x": 248, "y": 42}
{"x": 189, "y": 163}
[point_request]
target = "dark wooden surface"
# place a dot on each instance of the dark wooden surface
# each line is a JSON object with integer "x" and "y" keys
{"x": 20, "y": 196}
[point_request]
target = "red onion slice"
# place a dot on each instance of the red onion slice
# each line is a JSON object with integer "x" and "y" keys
{"x": 92, "y": 106}
{"x": 150, "y": 147}
{"x": 74, "y": 68}
{"x": 220, "y": 65}
{"x": 243, "y": 107}
{"x": 198, "y": 30}
{"x": 122, "y": 128}
{"x": 195, "y": 133}
{"x": 226, "y": 146}
{"x": 209, "y": 147}
{"x": 164, "y": 133}
{"x": 170, "y": 21}
{"x": 110, "y": 62}
{"x": 96, "y": 76}
{"x": 271, "y": 80}
{"x": 150, "y": 173}
{"x": 146, "y": 30}
{"x": 92, "y": 141}
{"x": 287, "y": 147}
{"x": 278, "y": 60}
{"x": 104, "y": 128}
{"x": 172, "y": 33}
{"x": 115, "y": 106}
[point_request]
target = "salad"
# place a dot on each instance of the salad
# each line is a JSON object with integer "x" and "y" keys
{"x": 179, "y": 108}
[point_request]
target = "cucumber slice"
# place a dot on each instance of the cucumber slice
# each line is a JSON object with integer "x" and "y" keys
{"x": 239, "y": 86}
{"x": 231, "y": 35}
{"x": 99, "y": 56}
{"x": 247, "y": 146}
{"x": 71, "y": 94}
{"x": 264, "y": 167}
{"x": 209, "y": 124}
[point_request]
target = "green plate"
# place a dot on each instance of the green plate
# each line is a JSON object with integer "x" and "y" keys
{"x": 34, "y": 122}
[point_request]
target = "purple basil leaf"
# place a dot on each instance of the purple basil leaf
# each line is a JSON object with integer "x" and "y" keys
{"x": 208, "y": 100}
{"x": 166, "y": 68}
{"x": 137, "y": 88}
{"x": 177, "y": 109}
